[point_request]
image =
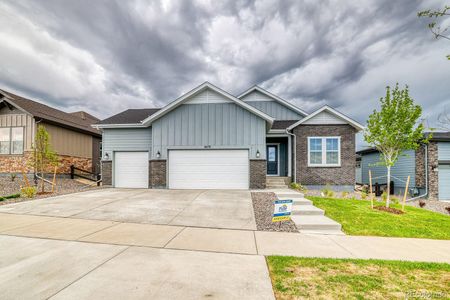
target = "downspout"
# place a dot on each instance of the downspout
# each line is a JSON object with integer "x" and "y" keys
{"x": 294, "y": 154}
{"x": 426, "y": 177}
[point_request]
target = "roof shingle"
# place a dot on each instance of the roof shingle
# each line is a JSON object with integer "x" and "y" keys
{"x": 42, "y": 111}
{"x": 130, "y": 116}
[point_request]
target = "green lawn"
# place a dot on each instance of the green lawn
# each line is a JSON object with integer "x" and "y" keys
{"x": 324, "y": 278}
{"x": 357, "y": 218}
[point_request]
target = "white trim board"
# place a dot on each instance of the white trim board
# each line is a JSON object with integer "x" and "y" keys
{"x": 274, "y": 97}
{"x": 197, "y": 90}
{"x": 332, "y": 111}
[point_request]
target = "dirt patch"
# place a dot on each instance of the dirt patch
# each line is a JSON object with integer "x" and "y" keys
{"x": 389, "y": 210}
{"x": 263, "y": 205}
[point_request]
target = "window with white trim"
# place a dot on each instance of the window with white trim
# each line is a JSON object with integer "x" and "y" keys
{"x": 11, "y": 140}
{"x": 324, "y": 151}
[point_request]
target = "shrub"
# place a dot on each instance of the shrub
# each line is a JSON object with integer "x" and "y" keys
{"x": 28, "y": 191}
{"x": 395, "y": 200}
{"x": 13, "y": 176}
{"x": 327, "y": 192}
{"x": 297, "y": 186}
{"x": 363, "y": 195}
{"x": 294, "y": 185}
{"x": 10, "y": 197}
{"x": 384, "y": 196}
{"x": 344, "y": 194}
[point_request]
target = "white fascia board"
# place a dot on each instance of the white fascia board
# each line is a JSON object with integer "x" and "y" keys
{"x": 198, "y": 89}
{"x": 274, "y": 97}
{"x": 331, "y": 110}
{"x": 100, "y": 126}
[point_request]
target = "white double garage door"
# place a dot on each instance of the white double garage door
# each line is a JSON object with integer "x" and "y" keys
{"x": 187, "y": 169}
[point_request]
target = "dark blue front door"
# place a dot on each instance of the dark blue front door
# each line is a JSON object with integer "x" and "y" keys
{"x": 272, "y": 160}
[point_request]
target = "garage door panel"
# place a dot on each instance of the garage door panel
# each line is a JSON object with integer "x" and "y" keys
{"x": 444, "y": 182}
{"x": 208, "y": 169}
{"x": 131, "y": 169}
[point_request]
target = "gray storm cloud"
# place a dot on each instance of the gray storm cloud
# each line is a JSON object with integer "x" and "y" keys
{"x": 106, "y": 56}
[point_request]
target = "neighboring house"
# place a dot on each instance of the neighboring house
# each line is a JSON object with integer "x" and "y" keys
{"x": 72, "y": 135}
{"x": 208, "y": 138}
{"x": 430, "y": 161}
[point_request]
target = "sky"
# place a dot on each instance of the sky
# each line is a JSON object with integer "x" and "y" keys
{"x": 106, "y": 56}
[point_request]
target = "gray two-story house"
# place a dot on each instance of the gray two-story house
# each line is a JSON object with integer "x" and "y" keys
{"x": 210, "y": 139}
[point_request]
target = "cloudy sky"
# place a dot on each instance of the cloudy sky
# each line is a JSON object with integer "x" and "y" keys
{"x": 107, "y": 56}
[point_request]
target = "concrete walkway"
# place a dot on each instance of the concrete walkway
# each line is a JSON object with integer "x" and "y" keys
{"x": 246, "y": 242}
{"x": 308, "y": 218}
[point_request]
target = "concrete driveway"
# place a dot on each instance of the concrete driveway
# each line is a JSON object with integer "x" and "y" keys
{"x": 229, "y": 209}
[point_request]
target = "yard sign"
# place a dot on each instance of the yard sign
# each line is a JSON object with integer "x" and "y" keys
{"x": 282, "y": 210}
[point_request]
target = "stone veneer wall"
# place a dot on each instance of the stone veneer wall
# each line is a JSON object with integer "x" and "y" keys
{"x": 318, "y": 176}
{"x": 433, "y": 173}
{"x": 18, "y": 163}
{"x": 258, "y": 173}
{"x": 106, "y": 172}
{"x": 158, "y": 173}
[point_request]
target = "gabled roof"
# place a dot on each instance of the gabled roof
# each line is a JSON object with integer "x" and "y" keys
{"x": 50, "y": 114}
{"x": 282, "y": 124}
{"x": 332, "y": 111}
{"x": 274, "y": 97}
{"x": 199, "y": 89}
{"x": 130, "y": 116}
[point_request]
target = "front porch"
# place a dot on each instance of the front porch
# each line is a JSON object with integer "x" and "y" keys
{"x": 279, "y": 158}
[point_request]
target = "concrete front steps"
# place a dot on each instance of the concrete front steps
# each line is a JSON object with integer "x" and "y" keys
{"x": 277, "y": 182}
{"x": 307, "y": 217}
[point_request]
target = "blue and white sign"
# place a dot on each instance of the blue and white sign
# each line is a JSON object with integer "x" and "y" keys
{"x": 282, "y": 210}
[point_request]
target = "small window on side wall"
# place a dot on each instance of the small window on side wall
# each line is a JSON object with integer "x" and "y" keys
{"x": 324, "y": 151}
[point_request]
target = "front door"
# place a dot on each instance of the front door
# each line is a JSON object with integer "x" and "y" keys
{"x": 272, "y": 159}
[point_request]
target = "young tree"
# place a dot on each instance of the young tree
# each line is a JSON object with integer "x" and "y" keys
{"x": 394, "y": 128}
{"x": 43, "y": 154}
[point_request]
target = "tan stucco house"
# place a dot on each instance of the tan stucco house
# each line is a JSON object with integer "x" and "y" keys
{"x": 72, "y": 136}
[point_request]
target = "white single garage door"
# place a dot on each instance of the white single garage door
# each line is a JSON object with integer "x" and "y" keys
{"x": 444, "y": 182}
{"x": 208, "y": 169}
{"x": 131, "y": 169}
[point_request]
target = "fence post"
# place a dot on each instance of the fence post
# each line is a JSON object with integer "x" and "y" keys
{"x": 371, "y": 192}
{"x": 377, "y": 189}
{"x": 72, "y": 171}
{"x": 406, "y": 193}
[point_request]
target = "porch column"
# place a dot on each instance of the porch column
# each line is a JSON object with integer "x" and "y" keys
{"x": 289, "y": 156}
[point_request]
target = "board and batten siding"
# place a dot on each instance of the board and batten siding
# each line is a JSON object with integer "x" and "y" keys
{"x": 444, "y": 151}
{"x": 404, "y": 167}
{"x": 271, "y": 107}
{"x": 325, "y": 118}
{"x": 16, "y": 118}
{"x": 69, "y": 142}
{"x": 204, "y": 125}
{"x": 126, "y": 139}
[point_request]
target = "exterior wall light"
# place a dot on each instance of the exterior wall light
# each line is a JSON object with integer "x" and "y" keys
{"x": 158, "y": 154}
{"x": 258, "y": 154}
{"x": 106, "y": 157}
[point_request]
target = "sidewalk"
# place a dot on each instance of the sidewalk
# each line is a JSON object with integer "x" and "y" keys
{"x": 224, "y": 240}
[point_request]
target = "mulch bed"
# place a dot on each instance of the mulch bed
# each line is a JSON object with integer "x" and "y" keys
{"x": 389, "y": 210}
{"x": 263, "y": 207}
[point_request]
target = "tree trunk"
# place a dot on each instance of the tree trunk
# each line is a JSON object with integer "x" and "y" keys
{"x": 388, "y": 186}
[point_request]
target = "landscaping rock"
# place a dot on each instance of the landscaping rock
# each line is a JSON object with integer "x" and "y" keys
{"x": 63, "y": 186}
{"x": 263, "y": 206}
